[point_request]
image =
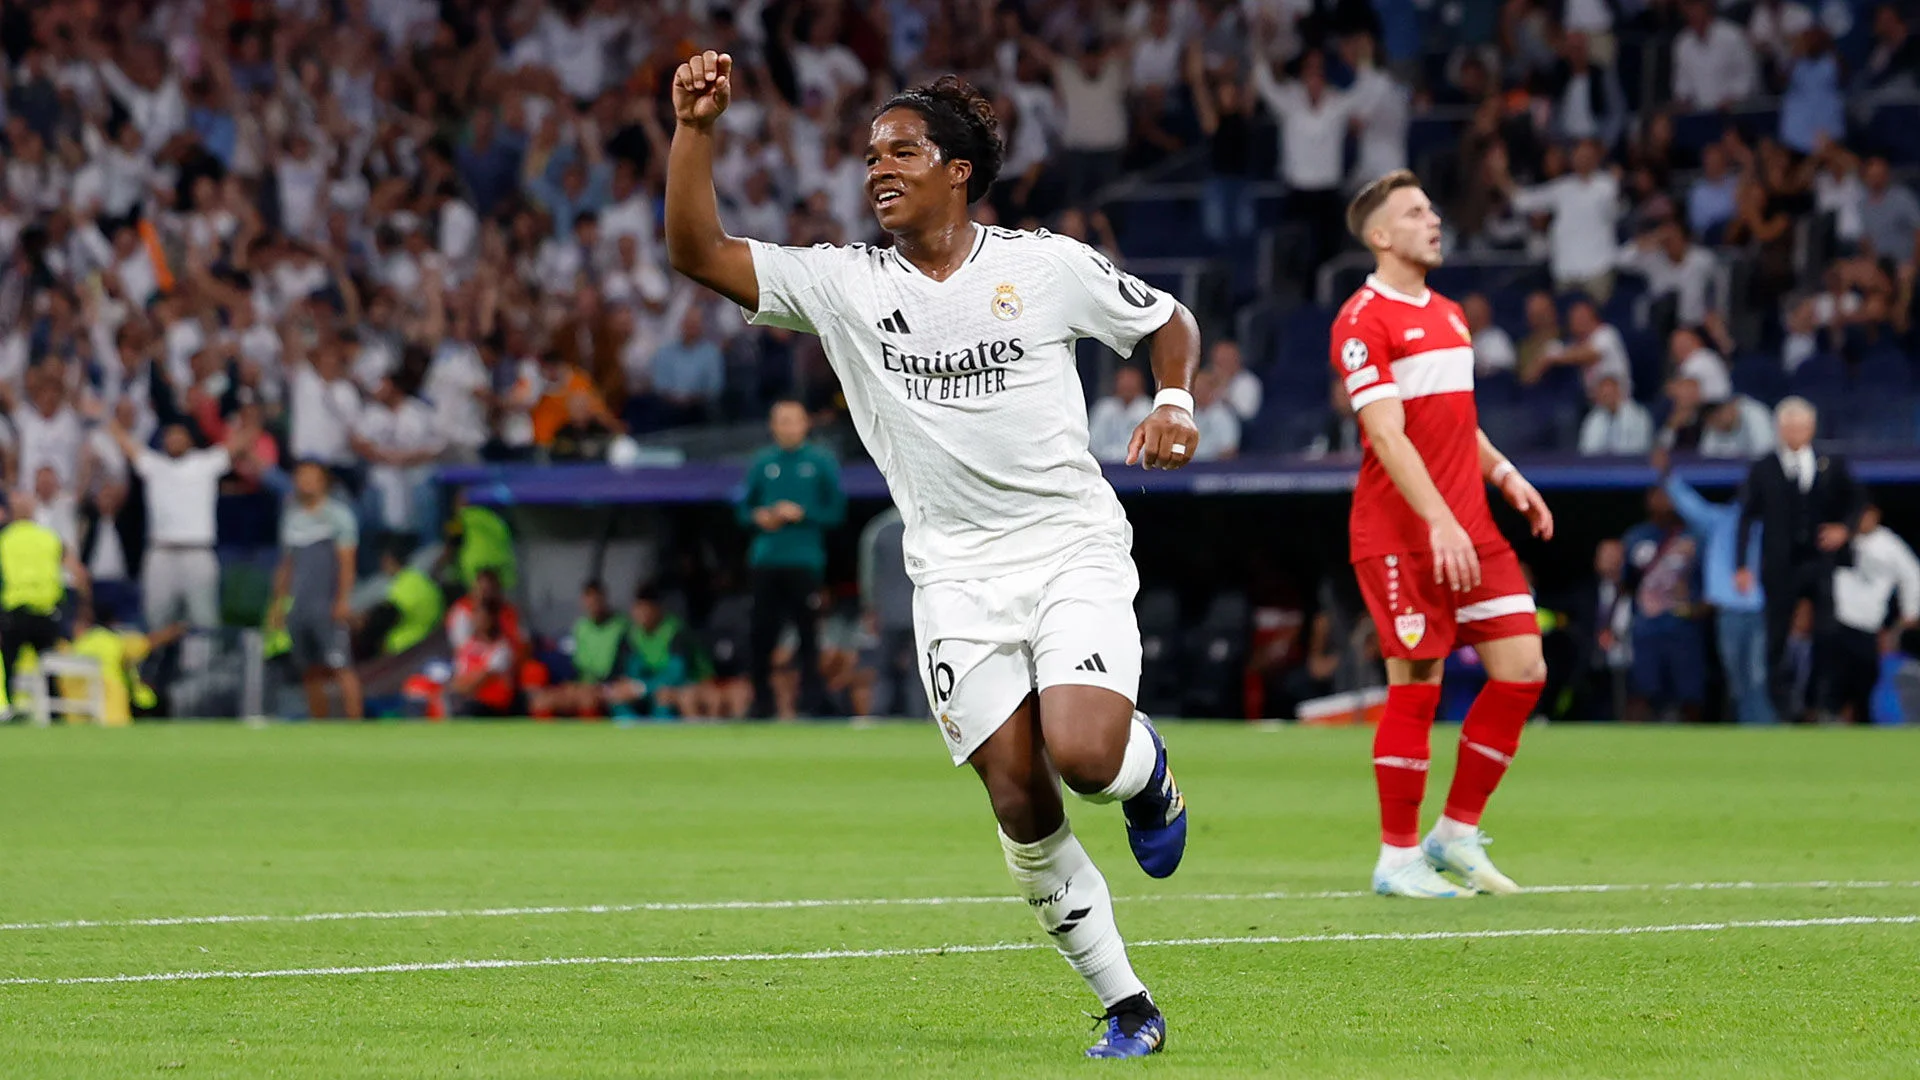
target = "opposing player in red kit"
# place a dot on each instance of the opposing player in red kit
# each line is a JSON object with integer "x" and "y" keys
{"x": 1434, "y": 570}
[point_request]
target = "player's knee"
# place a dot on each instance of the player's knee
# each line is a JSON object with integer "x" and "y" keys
{"x": 1533, "y": 670}
{"x": 1087, "y": 764}
{"x": 1520, "y": 666}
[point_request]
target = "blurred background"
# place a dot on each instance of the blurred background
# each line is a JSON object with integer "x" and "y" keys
{"x": 419, "y": 243}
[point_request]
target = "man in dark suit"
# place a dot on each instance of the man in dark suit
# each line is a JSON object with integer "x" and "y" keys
{"x": 1809, "y": 506}
{"x": 1600, "y": 623}
{"x": 113, "y": 540}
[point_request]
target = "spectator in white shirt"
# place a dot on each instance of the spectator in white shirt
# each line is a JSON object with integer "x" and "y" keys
{"x": 1314, "y": 119}
{"x": 48, "y": 432}
{"x": 300, "y": 178}
{"x": 323, "y": 402}
{"x": 1155, "y": 71}
{"x": 133, "y": 277}
{"x": 1738, "y": 428}
{"x": 1883, "y": 567}
{"x": 1114, "y": 417}
{"x": 572, "y": 44}
{"x": 1693, "y": 360}
{"x": 1492, "y": 347}
{"x": 1838, "y": 190}
{"x": 1594, "y": 347}
{"x": 459, "y": 387}
{"x": 1219, "y": 427}
{"x": 1239, "y": 387}
{"x": 631, "y": 211}
{"x": 148, "y": 91}
{"x": 1380, "y": 107}
{"x": 457, "y": 229}
{"x": 56, "y": 508}
{"x": 1713, "y": 65}
{"x": 1154, "y": 53}
{"x": 1616, "y": 425}
{"x": 824, "y": 69}
{"x": 120, "y": 173}
{"x": 1035, "y": 115}
{"x": 757, "y": 213}
{"x": 1675, "y": 267}
{"x": 1585, "y": 205}
{"x": 1093, "y": 111}
{"x": 396, "y": 434}
{"x": 182, "y": 486}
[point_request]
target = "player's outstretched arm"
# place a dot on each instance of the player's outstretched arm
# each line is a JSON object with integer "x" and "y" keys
{"x": 697, "y": 245}
{"x": 1455, "y": 563}
{"x": 1167, "y": 438}
{"x": 1514, "y": 488}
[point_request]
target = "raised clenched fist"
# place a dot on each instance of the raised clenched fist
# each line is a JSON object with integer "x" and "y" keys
{"x": 701, "y": 89}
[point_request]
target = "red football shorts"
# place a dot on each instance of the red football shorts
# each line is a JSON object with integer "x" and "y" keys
{"x": 1421, "y": 619}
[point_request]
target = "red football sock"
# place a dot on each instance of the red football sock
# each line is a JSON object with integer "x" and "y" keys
{"x": 1400, "y": 753}
{"x": 1487, "y": 743}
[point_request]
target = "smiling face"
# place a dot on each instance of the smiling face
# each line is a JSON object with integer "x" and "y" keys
{"x": 909, "y": 184}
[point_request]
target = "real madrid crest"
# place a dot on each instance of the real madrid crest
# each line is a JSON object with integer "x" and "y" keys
{"x": 952, "y": 729}
{"x": 1006, "y": 303}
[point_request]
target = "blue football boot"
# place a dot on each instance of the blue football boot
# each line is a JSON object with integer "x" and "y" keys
{"x": 1133, "y": 1028}
{"x": 1157, "y": 817}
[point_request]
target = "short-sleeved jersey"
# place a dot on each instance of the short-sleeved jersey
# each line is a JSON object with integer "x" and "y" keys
{"x": 965, "y": 391}
{"x": 1388, "y": 344}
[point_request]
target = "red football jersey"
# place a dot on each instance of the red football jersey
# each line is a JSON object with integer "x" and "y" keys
{"x": 1388, "y": 344}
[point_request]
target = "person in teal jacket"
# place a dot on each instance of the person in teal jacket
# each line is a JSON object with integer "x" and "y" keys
{"x": 1740, "y": 618}
{"x": 790, "y": 496}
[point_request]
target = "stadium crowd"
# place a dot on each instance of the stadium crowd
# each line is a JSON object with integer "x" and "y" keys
{"x": 386, "y": 238}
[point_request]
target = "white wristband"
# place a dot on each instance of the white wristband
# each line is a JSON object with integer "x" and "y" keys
{"x": 1174, "y": 396}
{"x": 1500, "y": 472}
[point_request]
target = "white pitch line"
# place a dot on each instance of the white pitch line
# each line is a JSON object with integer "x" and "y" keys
{"x": 949, "y": 950}
{"x": 876, "y": 902}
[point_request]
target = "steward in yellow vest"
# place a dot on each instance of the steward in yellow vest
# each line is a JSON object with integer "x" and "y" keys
{"x": 34, "y": 565}
{"x": 119, "y": 653}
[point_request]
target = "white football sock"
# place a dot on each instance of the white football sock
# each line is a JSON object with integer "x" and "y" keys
{"x": 1393, "y": 858}
{"x": 1447, "y": 830}
{"x": 1070, "y": 898}
{"x": 1136, "y": 766}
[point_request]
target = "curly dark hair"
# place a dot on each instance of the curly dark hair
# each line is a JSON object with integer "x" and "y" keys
{"x": 960, "y": 122}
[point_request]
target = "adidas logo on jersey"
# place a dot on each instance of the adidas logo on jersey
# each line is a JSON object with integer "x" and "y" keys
{"x": 1092, "y": 663}
{"x": 895, "y": 323}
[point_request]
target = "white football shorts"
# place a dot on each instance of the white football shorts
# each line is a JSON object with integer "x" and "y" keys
{"x": 986, "y": 643}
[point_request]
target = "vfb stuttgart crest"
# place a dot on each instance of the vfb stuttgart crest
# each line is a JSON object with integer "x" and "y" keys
{"x": 1006, "y": 304}
{"x": 1410, "y": 628}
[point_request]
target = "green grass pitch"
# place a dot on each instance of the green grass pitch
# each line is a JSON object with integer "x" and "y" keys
{"x": 455, "y": 823}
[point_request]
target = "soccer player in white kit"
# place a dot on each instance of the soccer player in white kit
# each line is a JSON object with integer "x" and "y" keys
{"x": 954, "y": 348}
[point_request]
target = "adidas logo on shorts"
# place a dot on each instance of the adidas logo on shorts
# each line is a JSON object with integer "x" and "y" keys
{"x": 1092, "y": 663}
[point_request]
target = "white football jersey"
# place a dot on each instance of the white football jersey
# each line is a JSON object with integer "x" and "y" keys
{"x": 965, "y": 391}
